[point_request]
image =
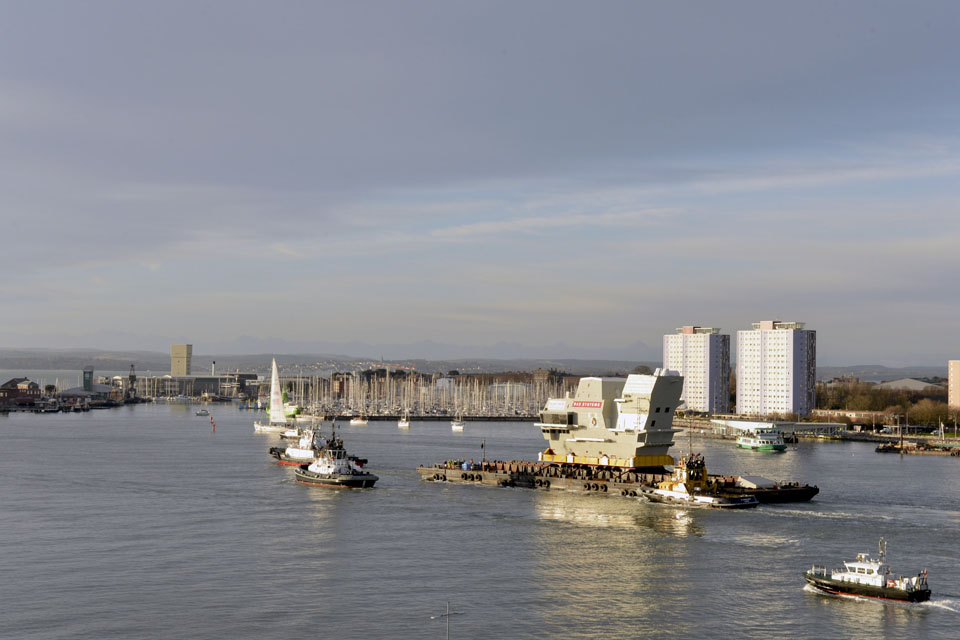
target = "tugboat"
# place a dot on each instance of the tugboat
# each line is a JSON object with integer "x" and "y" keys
{"x": 690, "y": 486}
{"x": 869, "y": 578}
{"x": 334, "y": 468}
{"x": 303, "y": 452}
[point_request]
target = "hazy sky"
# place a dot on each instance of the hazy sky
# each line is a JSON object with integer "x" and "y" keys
{"x": 595, "y": 173}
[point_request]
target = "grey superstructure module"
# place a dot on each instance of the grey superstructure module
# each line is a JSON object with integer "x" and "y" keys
{"x": 618, "y": 422}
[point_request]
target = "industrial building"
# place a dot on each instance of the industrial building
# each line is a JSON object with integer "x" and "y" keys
{"x": 181, "y": 356}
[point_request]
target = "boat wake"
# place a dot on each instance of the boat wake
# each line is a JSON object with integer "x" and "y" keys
{"x": 943, "y": 602}
{"x": 947, "y": 603}
{"x": 828, "y": 515}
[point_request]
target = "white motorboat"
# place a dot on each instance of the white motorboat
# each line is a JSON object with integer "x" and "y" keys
{"x": 404, "y": 421}
{"x": 303, "y": 452}
{"x": 359, "y": 421}
{"x": 457, "y": 423}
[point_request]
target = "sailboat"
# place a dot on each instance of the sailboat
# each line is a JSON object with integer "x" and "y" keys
{"x": 457, "y": 423}
{"x": 278, "y": 418}
{"x": 404, "y": 421}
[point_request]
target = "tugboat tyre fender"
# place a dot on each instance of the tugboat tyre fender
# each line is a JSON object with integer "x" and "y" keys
{"x": 586, "y": 486}
{"x": 478, "y": 477}
{"x": 603, "y": 488}
{"x": 546, "y": 484}
{"x": 595, "y": 486}
{"x": 463, "y": 476}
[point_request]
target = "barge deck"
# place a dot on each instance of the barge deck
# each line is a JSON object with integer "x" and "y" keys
{"x": 591, "y": 479}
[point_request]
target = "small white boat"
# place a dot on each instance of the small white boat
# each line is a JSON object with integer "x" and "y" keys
{"x": 203, "y": 412}
{"x": 359, "y": 421}
{"x": 303, "y": 452}
{"x": 457, "y": 423}
{"x": 404, "y": 421}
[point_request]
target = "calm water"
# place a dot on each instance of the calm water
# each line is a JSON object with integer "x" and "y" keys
{"x": 141, "y": 523}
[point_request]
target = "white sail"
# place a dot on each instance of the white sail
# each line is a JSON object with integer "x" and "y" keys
{"x": 276, "y": 397}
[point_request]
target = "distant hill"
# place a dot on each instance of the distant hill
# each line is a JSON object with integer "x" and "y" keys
{"x": 879, "y": 373}
{"x": 308, "y": 364}
{"x": 313, "y": 363}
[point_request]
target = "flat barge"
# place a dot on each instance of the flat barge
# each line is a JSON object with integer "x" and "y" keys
{"x": 921, "y": 449}
{"x": 590, "y": 479}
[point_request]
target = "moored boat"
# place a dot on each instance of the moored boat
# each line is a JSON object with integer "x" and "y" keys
{"x": 690, "y": 485}
{"x": 203, "y": 412}
{"x": 457, "y": 423}
{"x": 404, "y": 421}
{"x": 359, "y": 421}
{"x": 869, "y": 578}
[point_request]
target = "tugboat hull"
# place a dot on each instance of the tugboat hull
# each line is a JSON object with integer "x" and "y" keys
{"x": 713, "y": 502}
{"x": 840, "y": 587}
{"x": 335, "y": 480}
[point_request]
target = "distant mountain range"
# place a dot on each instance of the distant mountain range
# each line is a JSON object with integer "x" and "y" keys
{"x": 498, "y": 358}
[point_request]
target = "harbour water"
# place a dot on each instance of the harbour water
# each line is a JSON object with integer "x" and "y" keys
{"x": 141, "y": 522}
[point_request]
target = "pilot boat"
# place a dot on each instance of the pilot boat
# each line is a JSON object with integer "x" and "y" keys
{"x": 869, "y": 578}
{"x": 334, "y": 468}
{"x": 689, "y": 485}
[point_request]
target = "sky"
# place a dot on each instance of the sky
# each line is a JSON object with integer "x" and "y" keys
{"x": 230, "y": 173}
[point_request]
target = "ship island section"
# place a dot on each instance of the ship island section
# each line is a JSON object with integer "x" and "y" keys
{"x": 613, "y": 437}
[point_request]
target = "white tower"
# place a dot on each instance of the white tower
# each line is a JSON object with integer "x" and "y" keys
{"x": 776, "y": 369}
{"x": 702, "y": 356}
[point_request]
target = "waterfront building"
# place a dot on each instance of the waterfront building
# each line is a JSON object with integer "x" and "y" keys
{"x": 19, "y": 392}
{"x": 702, "y": 356}
{"x": 776, "y": 369}
{"x": 180, "y": 359}
{"x": 953, "y": 383}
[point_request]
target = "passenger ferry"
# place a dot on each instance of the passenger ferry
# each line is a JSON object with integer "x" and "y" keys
{"x": 767, "y": 439}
